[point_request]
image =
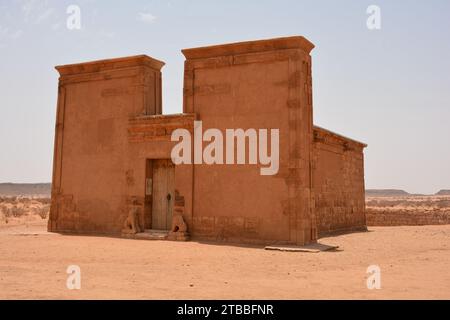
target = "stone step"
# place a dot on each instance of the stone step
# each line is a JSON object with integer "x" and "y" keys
{"x": 152, "y": 235}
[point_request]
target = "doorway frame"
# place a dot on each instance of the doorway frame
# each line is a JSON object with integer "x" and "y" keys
{"x": 149, "y": 188}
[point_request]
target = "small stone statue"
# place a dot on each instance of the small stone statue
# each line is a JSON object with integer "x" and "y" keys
{"x": 179, "y": 229}
{"x": 178, "y": 224}
{"x": 131, "y": 224}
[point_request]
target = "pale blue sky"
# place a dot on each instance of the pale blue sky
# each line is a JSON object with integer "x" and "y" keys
{"x": 389, "y": 88}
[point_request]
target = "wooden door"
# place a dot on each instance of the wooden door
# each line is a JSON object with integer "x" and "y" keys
{"x": 163, "y": 194}
{"x": 148, "y": 194}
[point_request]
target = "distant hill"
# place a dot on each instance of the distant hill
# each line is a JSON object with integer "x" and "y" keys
{"x": 25, "y": 189}
{"x": 44, "y": 189}
{"x": 386, "y": 193}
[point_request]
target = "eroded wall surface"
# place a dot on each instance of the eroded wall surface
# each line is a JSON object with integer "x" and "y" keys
{"x": 338, "y": 182}
{"x": 259, "y": 84}
{"x": 90, "y": 188}
{"x": 405, "y": 217}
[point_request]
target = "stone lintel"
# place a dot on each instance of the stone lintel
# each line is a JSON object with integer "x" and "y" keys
{"x": 295, "y": 42}
{"x": 110, "y": 64}
{"x": 158, "y": 127}
{"x": 161, "y": 119}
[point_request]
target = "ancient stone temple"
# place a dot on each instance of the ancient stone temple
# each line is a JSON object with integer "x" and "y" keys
{"x": 114, "y": 170}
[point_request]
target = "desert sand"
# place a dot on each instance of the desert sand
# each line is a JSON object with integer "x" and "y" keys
{"x": 414, "y": 264}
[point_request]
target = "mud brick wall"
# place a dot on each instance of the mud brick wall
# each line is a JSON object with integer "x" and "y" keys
{"x": 338, "y": 182}
{"x": 376, "y": 217}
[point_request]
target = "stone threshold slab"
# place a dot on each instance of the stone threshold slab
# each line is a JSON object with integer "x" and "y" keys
{"x": 312, "y": 248}
{"x": 148, "y": 235}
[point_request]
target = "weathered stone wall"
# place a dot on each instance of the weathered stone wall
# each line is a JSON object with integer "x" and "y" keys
{"x": 410, "y": 210}
{"x": 262, "y": 85}
{"x": 377, "y": 217}
{"x": 92, "y": 176}
{"x": 338, "y": 181}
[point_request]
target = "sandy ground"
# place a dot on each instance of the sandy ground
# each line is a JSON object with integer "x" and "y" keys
{"x": 414, "y": 264}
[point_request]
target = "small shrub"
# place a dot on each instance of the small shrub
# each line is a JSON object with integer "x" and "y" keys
{"x": 43, "y": 212}
{"x": 17, "y": 212}
{"x": 4, "y": 210}
{"x": 441, "y": 204}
